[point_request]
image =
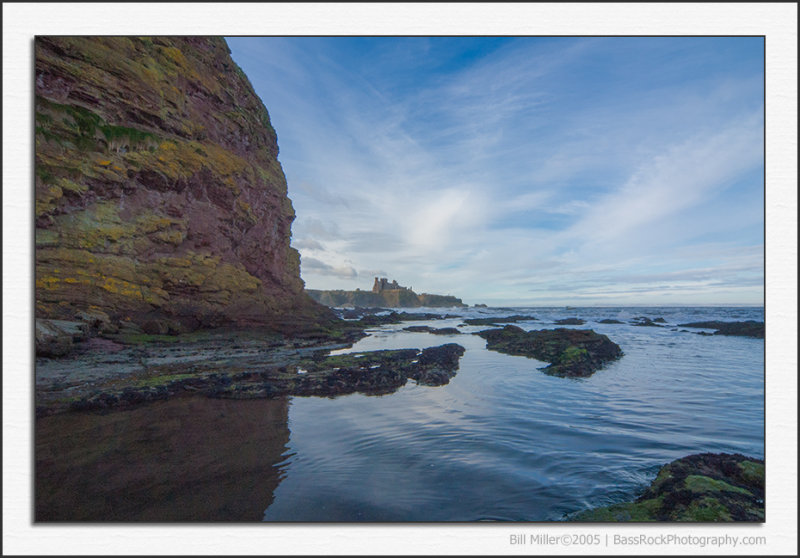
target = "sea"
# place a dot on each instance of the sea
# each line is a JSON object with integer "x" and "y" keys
{"x": 504, "y": 441}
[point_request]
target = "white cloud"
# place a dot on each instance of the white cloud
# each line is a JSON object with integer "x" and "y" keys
{"x": 307, "y": 244}
{"x": 502, "y": 177}
{"x": 317, "y": 267}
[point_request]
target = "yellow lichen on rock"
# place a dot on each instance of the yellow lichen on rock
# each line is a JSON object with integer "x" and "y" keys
{"x": 158, "y": 186}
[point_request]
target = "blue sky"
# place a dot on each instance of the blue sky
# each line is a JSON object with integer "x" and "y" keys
{"x": 535, "y": 171}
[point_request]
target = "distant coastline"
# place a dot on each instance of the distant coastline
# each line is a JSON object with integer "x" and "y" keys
{"x": 384, "y": 294}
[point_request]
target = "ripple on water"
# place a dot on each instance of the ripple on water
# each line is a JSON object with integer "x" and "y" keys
{"x": 504, "y": 441}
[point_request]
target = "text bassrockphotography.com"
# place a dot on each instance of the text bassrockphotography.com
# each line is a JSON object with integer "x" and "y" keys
{"x": 545, "y": 539}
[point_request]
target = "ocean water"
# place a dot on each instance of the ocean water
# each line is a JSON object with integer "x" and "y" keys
{"x": 504, "y": 441}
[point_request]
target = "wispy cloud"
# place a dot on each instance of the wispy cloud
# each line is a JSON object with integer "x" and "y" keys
{"x": 692, "y": 172}
{"x": 521, "y": 169}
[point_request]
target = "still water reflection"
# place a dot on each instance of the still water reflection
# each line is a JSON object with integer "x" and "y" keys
{"x": 190, "y": 459}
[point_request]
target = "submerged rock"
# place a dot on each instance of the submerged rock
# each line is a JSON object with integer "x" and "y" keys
{"x": 748, "y": 328}
{"x": 701, "y": 487}
{"x": 644, "y": 321}
{"x": 610, "y": 321}
{"x": 370, "y": 319}
{"x": 570, "y": 352}
{"x": 570, "y": 321}
{"x": 503, "y": 320}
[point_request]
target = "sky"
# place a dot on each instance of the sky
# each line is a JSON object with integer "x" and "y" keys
{"x": 523, "y": 170}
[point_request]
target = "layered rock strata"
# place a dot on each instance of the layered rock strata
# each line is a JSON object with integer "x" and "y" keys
{"x": 160, "y": 201}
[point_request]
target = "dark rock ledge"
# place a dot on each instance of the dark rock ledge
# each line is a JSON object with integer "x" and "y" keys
{"x": 571, "y": 321}
{"x": 644, "y": 321}
{"x": 242, "y": 370}
{"x": 749, "y": 328}
{"x": 369, "y": 318}
{"x": 570, "y": 352}
{"x": 703, "y": 487}
{"x": 433, "y": 330}
{"x": 501, "y": 320}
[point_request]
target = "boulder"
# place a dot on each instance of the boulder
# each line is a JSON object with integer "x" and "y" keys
{"x": 55, "y": 338}
{"x": 704, "y": 487}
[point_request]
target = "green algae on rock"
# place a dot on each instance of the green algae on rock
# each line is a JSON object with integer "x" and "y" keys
{"x": 245, "y": 374}
{"x": 570, "y": 352}
{"x": 702, "y": 487}
{"x": 159, "y": 196}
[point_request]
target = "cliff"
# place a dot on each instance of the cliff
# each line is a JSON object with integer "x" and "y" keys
{"x": 159, "y": 197}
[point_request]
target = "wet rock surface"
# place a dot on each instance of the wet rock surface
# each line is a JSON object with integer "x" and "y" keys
{"x": 748, "y": 328}
{"x": 371, "y": 373}
{"x": 103, "y": 374}
{"x": 436, "y": 365}
{"x": 132, "y": 367}
{"x": 570, "y": 352}
{"x": 610, "y": 321}
{"x": 701, "y": 487}
{"x": 433, "y": 330}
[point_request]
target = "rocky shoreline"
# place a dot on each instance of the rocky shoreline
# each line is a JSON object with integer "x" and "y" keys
{"x": 96, "y": 364}
{"x": 115, "y": 371}
{"x": 106, "y": 368}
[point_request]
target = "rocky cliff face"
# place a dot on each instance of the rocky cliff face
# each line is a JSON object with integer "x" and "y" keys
{"x": 159, "y": 196}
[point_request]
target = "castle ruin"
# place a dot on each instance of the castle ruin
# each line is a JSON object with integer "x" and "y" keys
{"x": 382, "y": 284}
